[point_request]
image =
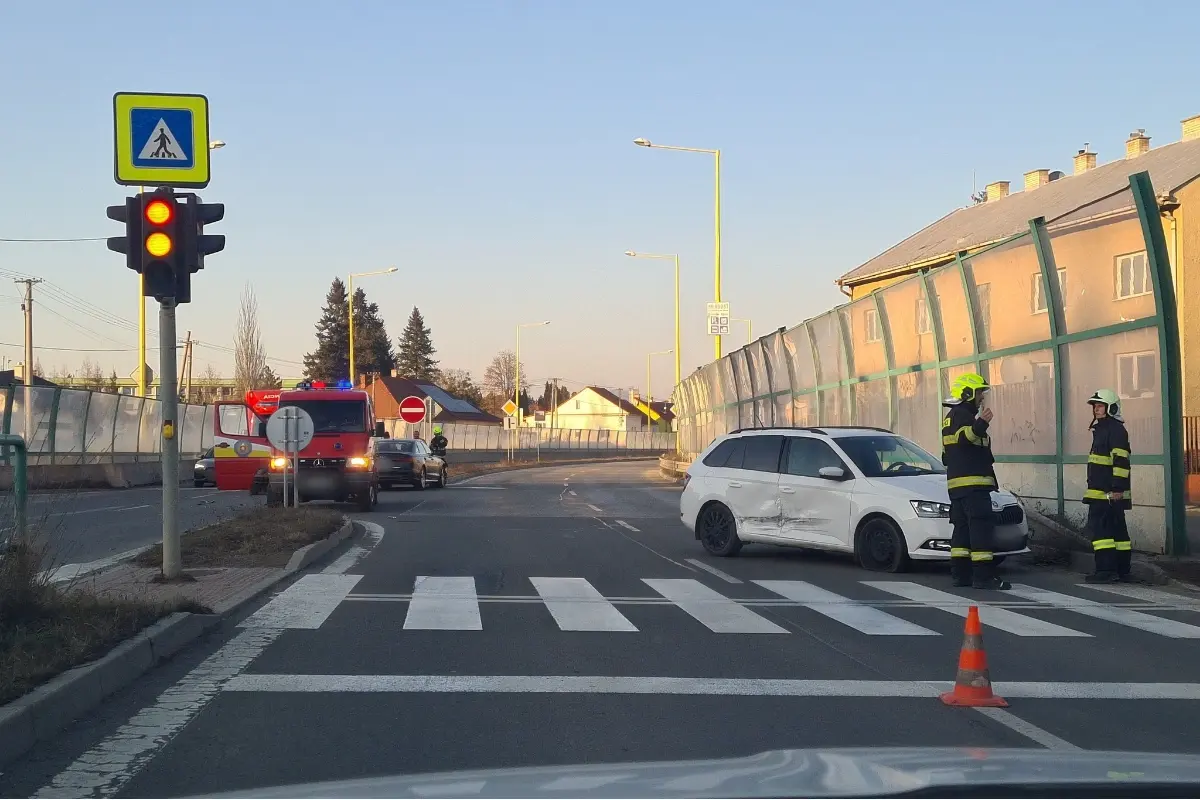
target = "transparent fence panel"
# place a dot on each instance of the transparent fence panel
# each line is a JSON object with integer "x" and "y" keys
{"x": 193, "y": 430}
{"x": 150, "y": 438}
{"x": 919, "y": 408}
{"x": 741, "y": 374}
{"x": 777, "y": 362}
{"x": 102, "y": 411}
{"x": 835, "y": 406}
{"x": 757, "y": 368}
{"x": 910, "y": 323}
{"x": 805, "y": 409}
{"x": 1127, "y": 363}
{"x": 129, "y": 418}
{"x": 799, "y": 350}
{"x": 1103, "y": 272}
{"x": 946, "y": 288}
{"x": 1001, "y": 300}
{"x": 70, "y": 422}
{"x": 831, "y": 367}
{"x": 1022, "y": 398}
{"x": 206, "y": 435}
{"x": 865, "y": 328}
{"x": 873, "y": 407}
{"x": 36, "y": 414}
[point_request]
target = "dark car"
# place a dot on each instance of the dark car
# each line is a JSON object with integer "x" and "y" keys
{"x": 204, "y": 473}
{"x": 408, "y": 461}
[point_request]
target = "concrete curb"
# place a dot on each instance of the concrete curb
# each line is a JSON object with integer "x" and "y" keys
{"x": 1079, "y": 551}
{"x": 47, "y": 709}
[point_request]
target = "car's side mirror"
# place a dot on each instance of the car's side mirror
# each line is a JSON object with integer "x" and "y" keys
{"x": 832, "y": 473}
{"x": 380, "y": 431}
{"x": 262, "y": 430}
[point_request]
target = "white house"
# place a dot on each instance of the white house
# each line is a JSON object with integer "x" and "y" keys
{"x": 596, "y": 408}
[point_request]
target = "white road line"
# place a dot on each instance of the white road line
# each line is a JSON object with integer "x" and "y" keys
{"x": 990, "y": 616}
{"x": 582, "y": 783}
{"x": 114, "y": 760}
{"x": 593, "y": 508}
{"x": 305, "y": 604}
{"x": 1149, "y": 595}
{"x": 349, "y": 559}
{"x": 443, "y": 603}
{"x": 1027, "y": 729}
{"x": 94, "y": 510}
{"x": 762, "y": 687}
{"x": 479, "y": 488}
{"x": 846, "y": 611}
{"x": 644, "y": 546}
{"x": 576, "y": 605}
{"x": 711, "y": 609}
{"x": 68, "y": 572}
{"x": 711, "y": 570}
{"x": 1122, "y": 616}
{"x": 629, "y": 527}
{"x": 572, "y": 493}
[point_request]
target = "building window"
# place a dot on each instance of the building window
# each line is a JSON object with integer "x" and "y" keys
{"x": 1040, "y": 301}
{"x": 874, "y": 329}
{"x": 1132, "y": 276}
{"x": 924, "y": 320}
{"x": 1137, "y": 375}
{"x": 577, "y": 405}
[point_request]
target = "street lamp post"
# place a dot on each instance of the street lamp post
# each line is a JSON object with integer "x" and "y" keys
{"x": 350, "y": 312}
{"x": 517, "y": 366}
{"x": 749, "y": 327}
{"x": 675, "y": 258}
{"x": 215, "y": 144}
{"x": 650, "y": 394}
{"x": 716, "y": 154}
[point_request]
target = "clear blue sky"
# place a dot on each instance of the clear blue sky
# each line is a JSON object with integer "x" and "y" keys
{"x": 485, "y": 149}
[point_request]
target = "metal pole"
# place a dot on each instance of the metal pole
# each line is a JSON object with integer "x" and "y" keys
{"x": 169, "y": 400}
{"x": 28, "y": 376}
{"x": 350, "y": 312}
{"x": 677, "y": 350}
{"x": 517, "y": 378}
{"x": 20, "y": 482}
{"x": 717, "y": 254}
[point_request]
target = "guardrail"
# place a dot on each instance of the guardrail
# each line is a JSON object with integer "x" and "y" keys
{"x": 490, "y": 437}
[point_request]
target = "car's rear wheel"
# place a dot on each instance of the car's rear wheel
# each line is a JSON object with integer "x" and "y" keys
{"x": 880, "y": 547}
{"x": 368, "y": 498}
{"x": 718, "y": 531}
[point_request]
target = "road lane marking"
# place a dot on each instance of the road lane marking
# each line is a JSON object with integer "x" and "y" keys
{"x": 711, "y": 609}
{"x": 572, "y": 493}
{"x": 479, "y": 488}
{"x": 711, "y": 570}
{"x": 67, "y": 572}
{"x": 576, "y": 605}
{"x": 94, "y": 510}
{"x": 306, "y": 604}
{"x": 861, "y": 617}
{"x": 1145, "y": 593}
{"x": 629, "y": 527}
{"x": 990, "y": 616}
{"x": 443, "y": 603}
{"x": 373, "y": 534}
{"x": 643, "y": 545}
{"x": 1027, "y": 729}
{"x": 761, "y": 687}
{"x": 594, "y": 508}
{"x": 1122, "y": 616}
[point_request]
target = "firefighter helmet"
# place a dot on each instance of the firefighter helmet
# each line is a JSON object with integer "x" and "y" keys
{"x": 437, "y": 430}
{"x": 968, "y": 387}
{"x": 1107, "y": 398}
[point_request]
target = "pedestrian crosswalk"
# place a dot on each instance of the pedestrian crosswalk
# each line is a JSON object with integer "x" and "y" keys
{"x": 878, "y": 608}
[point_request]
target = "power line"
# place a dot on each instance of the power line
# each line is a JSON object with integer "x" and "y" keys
{"x": 74, "y": 349}
{"x": 52, "y": 241}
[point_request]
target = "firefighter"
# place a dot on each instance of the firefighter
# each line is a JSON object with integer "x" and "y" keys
{"x": 439, "y": 442}
{"x": 1107, "y": 495}
{"x": 970, "y": 479}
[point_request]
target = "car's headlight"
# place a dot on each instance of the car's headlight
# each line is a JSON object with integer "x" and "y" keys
{"x": 359, "y": 461}
{"x": 279, "y": 462}
{"x": 927, "y": 508}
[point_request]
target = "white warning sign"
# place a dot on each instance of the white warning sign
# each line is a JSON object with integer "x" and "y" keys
{"x": 162, "y": 145}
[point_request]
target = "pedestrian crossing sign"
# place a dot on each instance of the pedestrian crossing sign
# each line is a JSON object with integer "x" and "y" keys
{"x": 161, "y": 139}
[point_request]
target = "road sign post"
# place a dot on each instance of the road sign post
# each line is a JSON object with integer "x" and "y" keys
{"x": 172, "y": 566}
{"x": 290, "y": 429}
{"x": 718, "y": 319}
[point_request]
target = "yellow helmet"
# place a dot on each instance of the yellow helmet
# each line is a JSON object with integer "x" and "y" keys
{"x": 968, "y": 387}
{"x": 437, "y": 430}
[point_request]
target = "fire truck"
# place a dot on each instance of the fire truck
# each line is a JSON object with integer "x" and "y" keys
{"x": 336, "y": 465}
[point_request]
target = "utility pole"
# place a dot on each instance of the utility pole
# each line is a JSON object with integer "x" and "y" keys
{"x": 27, "y": 375}
{"x": 185, "y": 370}
{"x": 554, "y": 406}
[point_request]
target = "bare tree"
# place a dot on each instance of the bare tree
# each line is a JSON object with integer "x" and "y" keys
{"x": 209, "y": 386}
{"x": 91, "y": 376}
{"x": 499, "y": 377}
{"x": 249, "y": 356}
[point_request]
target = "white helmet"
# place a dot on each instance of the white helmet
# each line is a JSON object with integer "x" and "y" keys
{"x": 1109, "y": 399}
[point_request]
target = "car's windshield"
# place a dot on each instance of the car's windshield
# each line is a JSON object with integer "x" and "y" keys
{"x": 887, "y": 455}
{"x": 334, "y": 416}
{"x": 394, "y": 446}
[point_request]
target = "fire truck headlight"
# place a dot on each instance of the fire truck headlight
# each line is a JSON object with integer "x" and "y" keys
{"x": 279, "y": 463}
{"x": 360, "y": 462}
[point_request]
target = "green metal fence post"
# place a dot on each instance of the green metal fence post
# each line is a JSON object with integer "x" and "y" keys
{"x": 968, "y": 284}
{"x": 83, "y": 440}
{"x": 1054, "y": 306}
{"x": 1167, "y": 316}
{"x": 812, "y": 345}
{"x": 20, "y": 481}
{"x": 885, "y": 328}
{"x": 51, "y": 430}
{"x": 847, "y": 365}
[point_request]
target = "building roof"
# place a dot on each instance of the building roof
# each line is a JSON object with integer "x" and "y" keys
{"x": 662, "y": 409}
{"x": 1171, "y": 167}
{"x": 451, "y": 408}
{"x": 8, "y": 377}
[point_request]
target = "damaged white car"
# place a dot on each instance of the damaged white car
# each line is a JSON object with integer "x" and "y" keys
{"x": 865, "y": 491}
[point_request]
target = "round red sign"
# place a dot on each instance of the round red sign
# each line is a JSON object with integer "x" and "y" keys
{"x": 412, "y": 409}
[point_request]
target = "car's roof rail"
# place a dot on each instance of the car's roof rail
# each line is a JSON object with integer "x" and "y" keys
{"x": 812, "y": 428}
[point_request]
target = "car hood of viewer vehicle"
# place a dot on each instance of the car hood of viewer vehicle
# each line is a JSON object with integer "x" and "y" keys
{"x": 928, "y": 487}
{"x": 865, "y": 772}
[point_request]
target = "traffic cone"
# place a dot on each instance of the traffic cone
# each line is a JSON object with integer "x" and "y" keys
{"x": 973, "y": 684}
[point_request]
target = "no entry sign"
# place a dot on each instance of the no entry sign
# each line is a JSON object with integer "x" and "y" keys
{"x": 412, "y": 409}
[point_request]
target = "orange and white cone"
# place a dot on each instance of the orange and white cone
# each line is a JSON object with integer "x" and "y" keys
{"x": 973, "y": 684}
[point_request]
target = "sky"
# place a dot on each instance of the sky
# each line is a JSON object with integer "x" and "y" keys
{"x": 485, "y": 150}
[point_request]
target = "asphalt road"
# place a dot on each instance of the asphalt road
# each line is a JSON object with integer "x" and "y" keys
{"x": 564, "y": 615}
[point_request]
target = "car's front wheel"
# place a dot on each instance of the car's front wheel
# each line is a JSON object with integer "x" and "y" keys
{"x": 718, "y": 530}
{"x": 441, "y": 481}
{"x": 880, "y": 547}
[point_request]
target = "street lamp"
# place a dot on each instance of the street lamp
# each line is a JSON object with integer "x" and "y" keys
{"x": 640, "y": 142}
{"x": 749, "y": 328}
{"x": 215, "y": 144}
{"x": 675, "y": 258}
{"x": 350, "y": 301}
{"x": 649, "y": 394}
{"x": 517, "y": 367}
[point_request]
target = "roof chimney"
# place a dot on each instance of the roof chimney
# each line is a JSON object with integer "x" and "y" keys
{"x": 1191, "y": 128}
{"x": 1085, "y": 159}
{"x": 1036, "y": 178}
{"x": 996, "y": 191}
{"x": 1138, "y": 144}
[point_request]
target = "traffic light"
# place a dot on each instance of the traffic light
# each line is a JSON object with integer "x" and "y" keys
{"x": 129, "y": 213}
{"x": 162, "y": 255}
{"x": 196, "y": 243}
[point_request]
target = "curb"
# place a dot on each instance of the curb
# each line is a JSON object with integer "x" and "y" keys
{"x": 52, "y": 706}
{"x": 1081, "y": 559}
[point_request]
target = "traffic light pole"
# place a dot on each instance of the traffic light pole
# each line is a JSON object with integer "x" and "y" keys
{"x": 169, "y": 402}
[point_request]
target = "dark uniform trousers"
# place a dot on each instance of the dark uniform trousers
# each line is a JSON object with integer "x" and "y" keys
{"x": 1110, "y": 538}
{"x": 972, "y": 525}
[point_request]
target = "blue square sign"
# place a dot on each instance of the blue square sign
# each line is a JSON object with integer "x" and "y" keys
{"x": 162, "y": 138}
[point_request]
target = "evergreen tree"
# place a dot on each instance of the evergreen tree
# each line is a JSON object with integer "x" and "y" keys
{"x": 415, "y": 359}
{"x": 267, "y": 379}
{"x": 372, "y": 348}
{"x": 330, "y": 362}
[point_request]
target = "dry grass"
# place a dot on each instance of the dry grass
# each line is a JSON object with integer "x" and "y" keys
{"x": 45, "y": 630}
{"x": 262, "y": 537}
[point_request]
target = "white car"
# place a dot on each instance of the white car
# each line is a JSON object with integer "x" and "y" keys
{"x": 865, "y": 491}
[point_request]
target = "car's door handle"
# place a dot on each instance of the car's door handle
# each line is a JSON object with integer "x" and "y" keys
{"x": 734, "y": 485}
{"x": 787, "y": 490}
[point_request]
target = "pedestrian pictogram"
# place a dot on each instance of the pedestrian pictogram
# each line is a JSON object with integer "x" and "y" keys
{"x": 163, "y": 145}
{"x": 161, "y": 140}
